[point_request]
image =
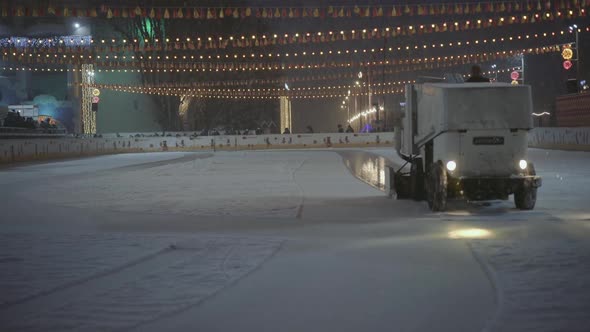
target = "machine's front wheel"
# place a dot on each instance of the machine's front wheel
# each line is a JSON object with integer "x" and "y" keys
{"x": 526, "y": 196}
{"x": 437, "y": 187}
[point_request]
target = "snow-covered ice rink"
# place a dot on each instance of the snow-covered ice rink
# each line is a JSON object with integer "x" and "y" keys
{"x": 284, "y": 241}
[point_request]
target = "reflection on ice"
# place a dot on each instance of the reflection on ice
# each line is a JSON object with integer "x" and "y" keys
{"x": 470, "y": 233}
{"x": 366, "y": 166}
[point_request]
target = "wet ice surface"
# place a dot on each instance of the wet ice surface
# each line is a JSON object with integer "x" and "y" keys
{"x": 104, "y": 282}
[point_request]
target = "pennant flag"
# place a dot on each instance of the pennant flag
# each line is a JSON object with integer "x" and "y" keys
{"x": 421, "y": 11}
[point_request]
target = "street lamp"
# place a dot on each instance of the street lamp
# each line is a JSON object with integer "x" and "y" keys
{"x": 574, "y": 28}
{"x": 494, "y": 66}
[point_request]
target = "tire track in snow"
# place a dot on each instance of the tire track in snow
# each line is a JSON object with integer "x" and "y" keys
{"x": 146, "y": 290}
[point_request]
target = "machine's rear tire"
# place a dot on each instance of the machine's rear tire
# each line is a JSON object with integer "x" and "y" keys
{"x": 437, "y": 187}
{"x": 525, "y": 197}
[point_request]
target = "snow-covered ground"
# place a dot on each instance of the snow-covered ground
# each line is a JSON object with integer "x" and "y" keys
{"x": 284, "y": 241}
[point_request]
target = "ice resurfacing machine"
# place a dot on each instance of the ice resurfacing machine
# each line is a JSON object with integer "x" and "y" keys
{"x": 466, "y": 140}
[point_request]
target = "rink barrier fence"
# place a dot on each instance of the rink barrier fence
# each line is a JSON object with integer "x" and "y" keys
{"x": 31, "y": 149}
{"x": 574, "y": 138}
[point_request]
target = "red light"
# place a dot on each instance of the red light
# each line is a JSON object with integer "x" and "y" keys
{"x": 567, "y": 64}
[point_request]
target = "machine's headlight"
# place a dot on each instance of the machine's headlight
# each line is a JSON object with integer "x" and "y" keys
{"x": 523, "y": 164}
{"x": 451, "y": 165}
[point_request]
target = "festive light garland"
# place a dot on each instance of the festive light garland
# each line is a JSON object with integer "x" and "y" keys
{"x": 443, "y": 62}
{"x": 294, "y": 12}
{"x": 244, "y": 67}
{"x": 189, "y": 88}
{"x": 499, "y": 71}
{"x": 362, "y": 114}
{"x": 233, "y": 83}
{"x": 242, "y": 95}
{"x": 276, "y": 92}
{"x": 192, "y": 43}
{"x": 88, "y": 54}
{"x": 470, "y": 58}
{"x": 194, "y": 88}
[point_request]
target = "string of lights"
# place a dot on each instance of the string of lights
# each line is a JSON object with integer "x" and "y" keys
{"x": 87, "y": 54}
{"x": 350, "y": 90}
{"x": 192, "y": 43}
{"x": 156, "y": 66}
{"x": 242, "y": 95}
{"x": 241, "y": 92}
{"x": 490, "y": 72}
{"x": 471, "y": 58}
{"x": 188, "y": 88}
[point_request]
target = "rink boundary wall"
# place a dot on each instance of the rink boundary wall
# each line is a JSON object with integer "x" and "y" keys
{"x": 33, "y": 149}
{"x": 573, "y": 138}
